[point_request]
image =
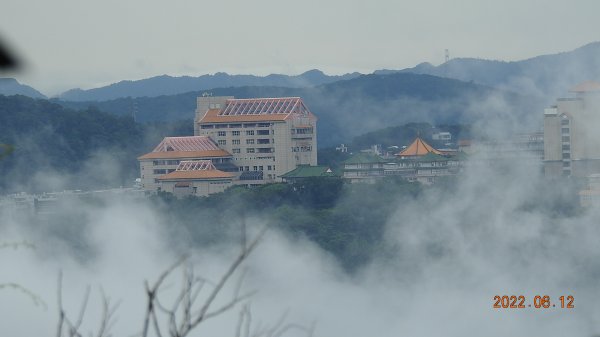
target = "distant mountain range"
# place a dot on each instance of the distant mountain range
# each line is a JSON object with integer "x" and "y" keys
{"x": 351, "y": 107}
{"x": 10, "y": 86}
{"x": 458, "y": 91}
{"x": 548, "y": 76}
{"x": 168, "y": 85}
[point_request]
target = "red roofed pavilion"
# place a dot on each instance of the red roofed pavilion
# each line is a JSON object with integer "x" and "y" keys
{"x": 418, "y": 148}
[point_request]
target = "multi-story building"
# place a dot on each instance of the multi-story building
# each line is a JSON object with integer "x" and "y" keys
{"x": 267, "y": 137}
{"x": 417, "y": 162}
{"x": 363, "y": 167}
{"x": 571, "y": 134}
{"x": 195, "y": 177}
{"x": 166, "y": 157}
{"x": 522, "y": 148}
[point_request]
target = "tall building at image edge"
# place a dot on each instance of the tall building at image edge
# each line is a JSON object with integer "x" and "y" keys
{"x": 571, "y": 137}
{"x": 267, "y": 137}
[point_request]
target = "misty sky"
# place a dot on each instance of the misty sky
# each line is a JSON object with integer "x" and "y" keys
{"x": 68, "y": 43}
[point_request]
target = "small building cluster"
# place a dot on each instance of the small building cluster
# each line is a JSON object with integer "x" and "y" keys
{"x": 417, "y": 162}
{"x": 235, "y": 142}
{"x": 266, "y": 140}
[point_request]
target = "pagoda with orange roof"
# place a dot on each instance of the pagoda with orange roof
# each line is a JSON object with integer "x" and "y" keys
{"x": 418, "y": 148}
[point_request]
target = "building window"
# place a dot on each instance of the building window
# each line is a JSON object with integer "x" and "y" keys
{"x": 566, "y": 155}
{"x": 566, "y": 139}
{"x": 249, "y": 150}
{"x": 249, "y": 141}
{"x": 566, "y": 147}
{"x": 241, "y": 168}
{"x": 269, "y": 168}
{"x": 246, "y": 168}
{"x": 564, "y": 120}
{"x": 232, "y": 126}
{"x": 222, "y": 133}
{"x": 222, "y": 142}
{"x": 210, "y": 126}
{"x": 564, "y": 130}
{"x": 162, "y": 171}
{"x": 566, "y": 164}
{"x": 235, "y": 142}
{"x": 261, "y": 168}
{"x": 249, "y": 132}
{"x": 221, "y": 126}
{"x": 263, "y": 132}
{"x": 235, "y": 133}
{"x": 303, "y": 131}
{"x": 262, "y": 141}
{"x": 255, "y": 168}
{"x": 236, "y": 150}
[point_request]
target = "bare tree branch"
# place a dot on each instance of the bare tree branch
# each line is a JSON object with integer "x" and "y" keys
{"x": 243, "y": 255}
{"x": 151, "y": 293}
{"x": 107, "y": 314}
{"x": 61, "y": 311}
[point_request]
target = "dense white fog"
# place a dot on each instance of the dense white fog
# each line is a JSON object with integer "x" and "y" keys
{"x": 445, "y": 261}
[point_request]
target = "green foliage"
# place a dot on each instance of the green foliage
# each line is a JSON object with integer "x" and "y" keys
{"x": 5, "y": 150}
{"x": 347, "y": 220}
{"x": 332, "y": 158}
{"x": 346, "y": 108}
{"x": 395, "y": 135}
{"x": 46, "y": 137}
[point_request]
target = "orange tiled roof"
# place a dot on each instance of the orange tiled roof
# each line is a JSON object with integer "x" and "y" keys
{"x": 586, "y": 87}
{"x": 185, "y": 154}
{"x": 186, "y": 147}
{"x": 188, "y": 143}
{"x": 258, "y": 110}
{"x": 418, "y": 148}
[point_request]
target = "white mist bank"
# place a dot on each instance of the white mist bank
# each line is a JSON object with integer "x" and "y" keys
{"x": 446, "y": 260}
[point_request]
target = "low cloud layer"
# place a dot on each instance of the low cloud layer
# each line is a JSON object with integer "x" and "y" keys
{"x": 445, "y": 256}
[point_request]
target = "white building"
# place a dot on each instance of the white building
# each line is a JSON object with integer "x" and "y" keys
{"x": 197, "y": 178}
{"x": 571, "y": 136}
{"x": 267, "y": 137}
{"x": 166, "y": 157}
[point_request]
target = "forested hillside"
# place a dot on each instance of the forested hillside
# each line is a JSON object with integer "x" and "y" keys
{"x": 81, "y": 148}
{"x": 352, "y": 107}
